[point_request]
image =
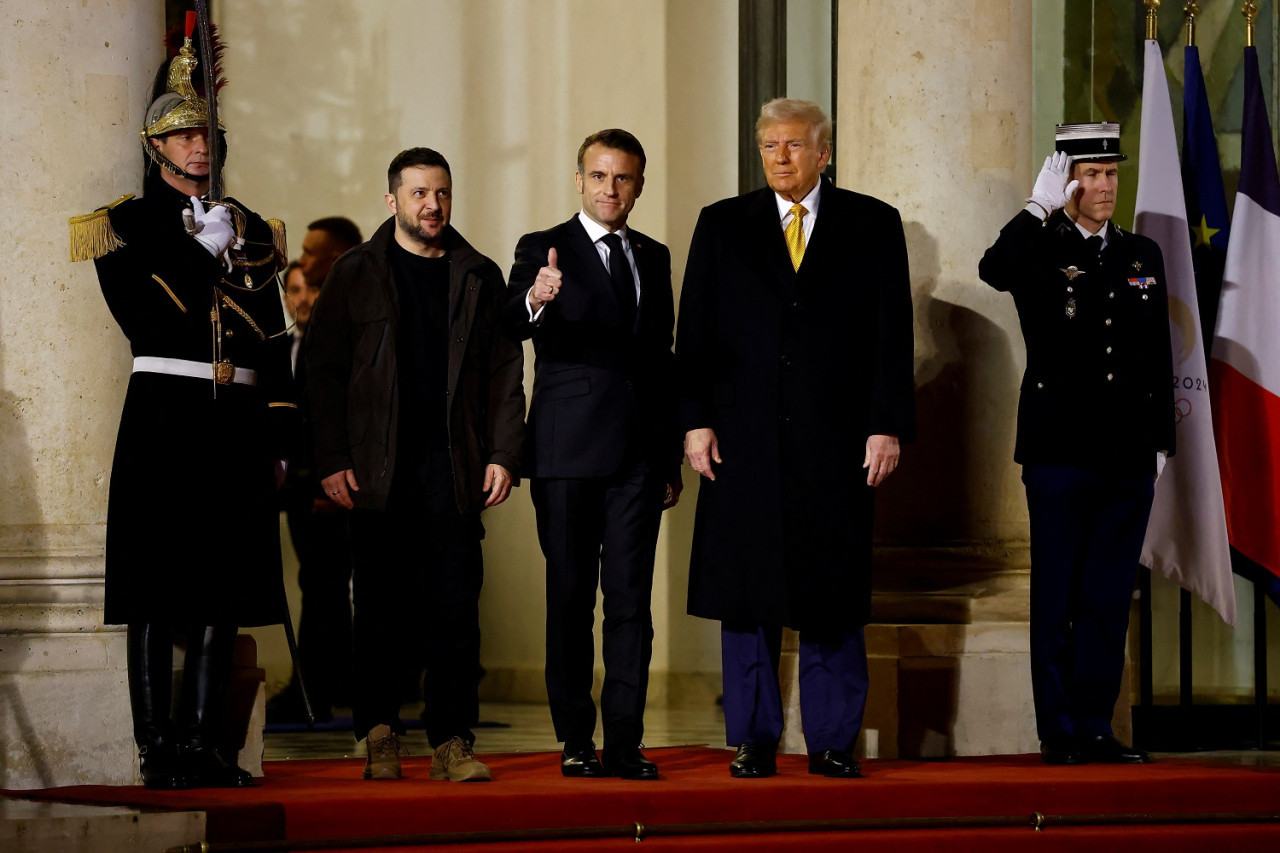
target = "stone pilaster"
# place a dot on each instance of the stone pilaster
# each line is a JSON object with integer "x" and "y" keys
{"x": 74, "y": 79}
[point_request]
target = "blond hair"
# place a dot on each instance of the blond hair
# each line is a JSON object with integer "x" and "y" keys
{"x": 792, "y": 109}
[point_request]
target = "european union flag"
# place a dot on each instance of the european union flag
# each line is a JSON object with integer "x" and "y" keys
{"x": 1206, "y": 198}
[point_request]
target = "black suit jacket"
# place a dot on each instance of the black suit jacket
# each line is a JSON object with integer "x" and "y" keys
{"x": 601, "y": 392}
{"x": 793, "y": 370}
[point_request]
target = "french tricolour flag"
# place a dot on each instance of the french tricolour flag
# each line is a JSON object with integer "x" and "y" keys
{"x": 1244, "y": 371}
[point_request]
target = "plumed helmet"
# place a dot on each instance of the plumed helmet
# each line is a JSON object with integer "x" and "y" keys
{"x": 179, "y": 107}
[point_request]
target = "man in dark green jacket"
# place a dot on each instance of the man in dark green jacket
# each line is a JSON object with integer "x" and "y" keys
{"x": 417, "y": 404}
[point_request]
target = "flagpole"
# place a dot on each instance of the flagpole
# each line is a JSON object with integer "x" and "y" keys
{"x": 1250, "y": 12}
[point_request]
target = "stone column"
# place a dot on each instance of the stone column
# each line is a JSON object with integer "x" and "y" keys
{"x": 75, "y": 76}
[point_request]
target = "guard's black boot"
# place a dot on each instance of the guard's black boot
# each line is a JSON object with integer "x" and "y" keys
{"x": 150, "y": 656}
{"x": 206, "y": 673}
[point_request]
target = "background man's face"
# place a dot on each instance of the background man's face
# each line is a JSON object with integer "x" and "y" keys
{"x": 1095, "y": 200}
{"x": 319, "y": 251}
{"x": 301, "y": 295}
{"x": 791, "y": 157}
{"x": 422, "y": 203}
{"x": 188, "y": 149}
{"x": 610, "y": 182}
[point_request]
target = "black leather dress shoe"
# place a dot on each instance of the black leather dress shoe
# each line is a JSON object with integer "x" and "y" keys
{"x": 1107, "y": 750}
{"x": 754, "y": 761}
{"x": 579, "y": 761}
{"x": 629, "y": 763}
{"x": 834, "y": 764}
{"x": 1061, "y": 749}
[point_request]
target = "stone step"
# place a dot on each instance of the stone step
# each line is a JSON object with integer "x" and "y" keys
{"x": 29, "y": 826}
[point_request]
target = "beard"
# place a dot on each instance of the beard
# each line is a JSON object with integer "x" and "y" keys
{"x": 414, "y": 229}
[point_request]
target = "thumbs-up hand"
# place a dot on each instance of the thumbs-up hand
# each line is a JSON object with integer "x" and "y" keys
{"x": 547, "y": 284}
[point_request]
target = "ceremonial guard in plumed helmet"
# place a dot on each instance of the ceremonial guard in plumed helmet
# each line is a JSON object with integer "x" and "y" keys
{"x": 192, "y": 530}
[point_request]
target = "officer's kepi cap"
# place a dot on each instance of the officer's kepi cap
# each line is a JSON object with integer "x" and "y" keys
{"x": 1094, "y": 141}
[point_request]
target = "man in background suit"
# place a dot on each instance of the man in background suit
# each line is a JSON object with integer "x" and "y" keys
{"x": 795, "y": 351}
{"x": 595, "y": 297}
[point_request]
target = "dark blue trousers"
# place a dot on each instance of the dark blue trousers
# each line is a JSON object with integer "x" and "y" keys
{"x": 833, "y": 686}
{"x": 1087, "y": 529}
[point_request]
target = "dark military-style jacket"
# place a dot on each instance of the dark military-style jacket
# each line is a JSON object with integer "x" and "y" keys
{"x": 1097, "y": 392}
{"x": 192, "y": 524}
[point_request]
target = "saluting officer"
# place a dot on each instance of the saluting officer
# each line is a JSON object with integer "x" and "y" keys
{"x": 1096, "y": 409}
{"x": 192, "y": 529}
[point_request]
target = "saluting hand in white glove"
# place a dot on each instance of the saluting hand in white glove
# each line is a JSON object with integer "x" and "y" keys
{"x": 1052, "y": 190}
{"x": 213, "y": 228}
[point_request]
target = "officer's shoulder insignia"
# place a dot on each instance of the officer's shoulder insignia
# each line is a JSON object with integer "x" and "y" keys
{"x": 1071, "y": 272}
{"x": 1065, "y": 227}
{"x": 278, "y": 240}
{"x": 92, "y": 235}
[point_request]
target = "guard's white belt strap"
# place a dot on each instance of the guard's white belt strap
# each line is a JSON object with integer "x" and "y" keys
{"x": 194, "y": 369}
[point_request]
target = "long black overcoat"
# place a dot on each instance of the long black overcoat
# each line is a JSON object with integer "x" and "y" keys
{"x": 193, "y": 532}
{"x": 793, "y": 370}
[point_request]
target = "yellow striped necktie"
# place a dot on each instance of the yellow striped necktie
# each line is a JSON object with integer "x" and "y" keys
{"x": 795, "y": 235}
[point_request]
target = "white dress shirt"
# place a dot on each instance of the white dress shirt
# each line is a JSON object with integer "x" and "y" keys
{"x": 810, "y": 203}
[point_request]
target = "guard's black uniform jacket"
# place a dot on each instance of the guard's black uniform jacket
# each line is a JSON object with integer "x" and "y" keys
{"x": 192, "y": 524}
{"x": 1098, "y": 389}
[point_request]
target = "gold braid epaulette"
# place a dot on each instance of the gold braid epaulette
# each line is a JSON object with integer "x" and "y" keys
{"x": 92, "y": 235}
{"x": 278, "y": 239}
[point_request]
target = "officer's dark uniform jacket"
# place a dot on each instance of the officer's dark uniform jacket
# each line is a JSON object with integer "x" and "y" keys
{"x": 1097, "y": 392}
{"x": 192, "y": 524}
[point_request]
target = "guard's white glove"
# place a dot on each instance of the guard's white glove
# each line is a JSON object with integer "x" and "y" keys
{"x": 1052, "y": 190}
{"x": 213, "y": 228}
{"x": 1161, "y": 459}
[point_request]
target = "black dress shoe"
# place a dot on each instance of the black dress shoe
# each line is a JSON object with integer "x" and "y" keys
{"x": 629, "y": 763}
{"x": 1107, "y": 750}
{"x": 579, "y": 761}
{"x": 1061, "y": 749}
{"x": 834, "y": 764}
{"x": 754, "y": 761}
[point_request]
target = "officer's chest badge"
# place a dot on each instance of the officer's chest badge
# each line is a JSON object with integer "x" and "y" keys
{"x": 1142, "y": 283}
{"x": 1071, "y": 272}
{"x": 1137, "y": 266}
{"x": 1071, "y": 308}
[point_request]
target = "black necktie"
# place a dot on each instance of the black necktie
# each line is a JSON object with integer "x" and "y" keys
{"x": 1095, "y": 244}
{"x": 624, "y": 283}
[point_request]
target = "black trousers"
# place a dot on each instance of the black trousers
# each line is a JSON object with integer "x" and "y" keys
{"x": 1087, "y": 529}
{"x": 324, "y": 619}
{"x": 418, "y": 572}
{"x": 599, "y": 531}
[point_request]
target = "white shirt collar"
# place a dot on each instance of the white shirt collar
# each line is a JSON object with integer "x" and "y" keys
{"x": 595, "y": 230}
{"x": 810, "y": 202}
{"x": 1104, "y": 232}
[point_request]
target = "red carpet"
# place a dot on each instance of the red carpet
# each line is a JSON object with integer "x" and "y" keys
{"x": 326, "y": 799}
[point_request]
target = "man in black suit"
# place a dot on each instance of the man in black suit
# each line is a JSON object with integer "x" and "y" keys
{"x": 795, "y": 351}
{"x": 595, "y": 297}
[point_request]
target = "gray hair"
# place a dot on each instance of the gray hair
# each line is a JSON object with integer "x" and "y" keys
{"x": 792, "y": 109}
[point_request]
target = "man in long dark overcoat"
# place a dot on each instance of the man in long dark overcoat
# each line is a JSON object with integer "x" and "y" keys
{"x": 795, "y": 350}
